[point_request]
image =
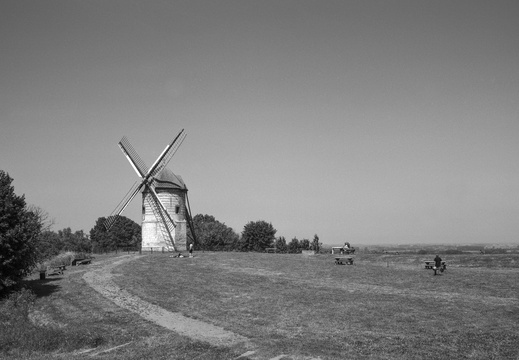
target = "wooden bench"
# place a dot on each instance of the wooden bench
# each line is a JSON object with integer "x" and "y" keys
{"x": 270, "y": 250}
{"x": 81, "y": 261}
{"x": 57, "y": 270}
{"x": 430, "y": 264}
{"x": 343, "y": 261}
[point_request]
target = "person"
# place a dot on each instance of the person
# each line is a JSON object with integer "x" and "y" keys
{"x": 191, "y": 250}
{"x": 437, "y": 263}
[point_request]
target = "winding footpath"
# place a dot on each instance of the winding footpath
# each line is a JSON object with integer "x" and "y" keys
{"x": 99, "y": 277}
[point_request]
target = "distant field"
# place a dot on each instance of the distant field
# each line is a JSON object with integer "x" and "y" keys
{"x": 384, "y": 306}
{"x": 288, "y": 306}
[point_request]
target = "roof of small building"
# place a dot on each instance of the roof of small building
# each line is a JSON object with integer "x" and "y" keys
{"x": 167, "y": 179}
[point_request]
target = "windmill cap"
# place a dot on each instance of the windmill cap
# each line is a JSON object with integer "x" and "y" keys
{"x": 167, "y": 179}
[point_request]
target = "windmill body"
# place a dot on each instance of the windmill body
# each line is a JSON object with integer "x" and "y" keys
{"x": 171, "y": 192}
{"x": 165, "y": 206}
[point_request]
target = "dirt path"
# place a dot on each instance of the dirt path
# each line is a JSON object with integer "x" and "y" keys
{"x": 99, "y": 277}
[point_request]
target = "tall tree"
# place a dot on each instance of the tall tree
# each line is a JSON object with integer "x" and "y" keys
{"x": 316, "y": 245}
{"x": 211, "y": 234}
{"x": 304, "y": 244}
{"x": 123, "y": 233}
{"x": 76, "y": 241}
{"x": 293, "y": 246}
{"x": 257, "y": 236}
{"x": 19, "y": 231}
{"x": 281, "y": 244}
{"x": 49, "y": 245}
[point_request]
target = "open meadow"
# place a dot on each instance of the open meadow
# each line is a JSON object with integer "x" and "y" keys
{"x": 285, "y": 306}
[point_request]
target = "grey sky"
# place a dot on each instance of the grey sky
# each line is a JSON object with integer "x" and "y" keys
{"x": 361, "y": 121}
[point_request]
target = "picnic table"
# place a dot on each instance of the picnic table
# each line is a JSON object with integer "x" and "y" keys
{"x": 56, "y": 270}
{"x": 431, "y": 265}
{"x": 343, "y": 261}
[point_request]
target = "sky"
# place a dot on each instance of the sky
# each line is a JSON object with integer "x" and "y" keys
{"x": 373, "y": 122}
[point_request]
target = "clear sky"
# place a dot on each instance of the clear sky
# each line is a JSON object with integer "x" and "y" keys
{"x": 362, "y": 121}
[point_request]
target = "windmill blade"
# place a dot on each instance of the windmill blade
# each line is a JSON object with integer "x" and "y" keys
{"x": 166, "y": 155}
{"x": 136, "y": 162}
{"x": 134, "y": 190}
{"x": 189, "y": 219}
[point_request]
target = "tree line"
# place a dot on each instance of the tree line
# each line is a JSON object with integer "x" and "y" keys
{"x": 213, "y": 235}
{"x": 26, "y": 238}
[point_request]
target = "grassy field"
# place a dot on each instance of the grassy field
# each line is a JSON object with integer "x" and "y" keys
{"x": 301, "y": 307}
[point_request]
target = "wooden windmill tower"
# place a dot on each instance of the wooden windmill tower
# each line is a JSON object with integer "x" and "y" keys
{"x": 165, "y": 205}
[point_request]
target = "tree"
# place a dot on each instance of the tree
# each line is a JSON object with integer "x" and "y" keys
{"x": 304, "y": 244}
{"x": 281, "y": 244}
{"x": 49, "y": 245}
{"x": 123, "y": 233}
{"x": 293, "y": 246}
{"x": 77, "y": 241}
{"x": 257, "y": 236}
{"x": 316, "y": 245}
{"x": 212, "y": 234}
{"x": 19, "y": 231}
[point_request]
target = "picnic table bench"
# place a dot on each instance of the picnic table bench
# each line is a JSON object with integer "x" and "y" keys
{"x": 431, "y": 265}
{"x": 78, "y": 262}
{"x": 343, "y": 261}
{"x": 341, "y": 250}
{"x": 56, "y": 270}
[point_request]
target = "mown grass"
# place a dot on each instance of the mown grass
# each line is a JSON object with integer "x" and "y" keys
{"x": 382, "y": 307}
{"x": 70, "y": 320}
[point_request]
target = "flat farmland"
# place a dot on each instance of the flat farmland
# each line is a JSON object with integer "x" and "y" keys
{"x": 303, "y": 307}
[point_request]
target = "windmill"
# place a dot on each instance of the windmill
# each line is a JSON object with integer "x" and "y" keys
{"x": 164, "y": 196}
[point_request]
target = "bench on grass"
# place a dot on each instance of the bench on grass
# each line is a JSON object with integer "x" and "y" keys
{"x": 78, "y": 262}
{"x": 270, "y": 250}
{"x": 57, "y": 270}
{"x": 342, "y": 250}
{"x": 343, "y": 261}
{"x": 430, "y": 265}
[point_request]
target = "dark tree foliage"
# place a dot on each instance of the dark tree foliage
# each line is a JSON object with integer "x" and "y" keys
{"x": 212, "y": 234}
{"x": 304, "y": 244}
{"x": 124, "y": 233}
{"x": 77, "y": 241}
{"x": 257, "y": 236}
{"x": 49, "y": 245}
{"x": 293, "y": 246}
{"x": 19, "y": 231}
{"x": 281, "y": 245}
{"x": 316, "y": 245}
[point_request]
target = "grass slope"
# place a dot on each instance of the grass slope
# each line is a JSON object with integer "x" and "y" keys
{"x": 381, "y": 307}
